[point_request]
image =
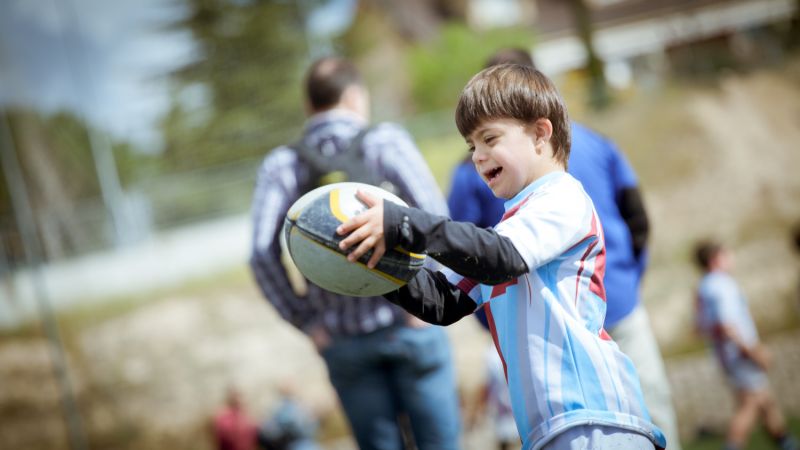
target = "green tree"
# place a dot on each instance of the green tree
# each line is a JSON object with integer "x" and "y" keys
{"x": 60, "y": 176}
{"x": 599, "y": 96}
{"x": 440, "y": 69}
{"x": 250, "y": 60}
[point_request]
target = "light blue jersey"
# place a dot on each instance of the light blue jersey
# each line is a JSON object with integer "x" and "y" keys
{"x": 563, "y": 369}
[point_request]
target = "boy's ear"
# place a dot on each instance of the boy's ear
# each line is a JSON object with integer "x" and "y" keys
{"x": 542, "y": 131}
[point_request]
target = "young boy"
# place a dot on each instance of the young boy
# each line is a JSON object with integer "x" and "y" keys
{"x": 724, "y": 318}
{"x": 538, "y": 274}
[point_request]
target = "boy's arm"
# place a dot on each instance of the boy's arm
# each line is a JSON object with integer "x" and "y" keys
{"x": 720, "y": 295}
{"x": 477, "y": 253}
{"x": 432, "y": 298}
{"x": 756, "y": 353}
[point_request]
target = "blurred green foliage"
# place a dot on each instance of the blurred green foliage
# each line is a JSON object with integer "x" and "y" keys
{"x": 360, "y": 38}
{"x": 440, "y": 69}
{"x": 250, "y": 56}
{"x": 56, "y": 148}
{"x": 61, "y": 184}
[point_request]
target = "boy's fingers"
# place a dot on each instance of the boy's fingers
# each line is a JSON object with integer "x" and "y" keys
{"x": 353, "y": 238}
{"x": 351, "y": 224}
{"x": 362, "y": 248}
{"x": 368, "y": 199}
{"x": 378, "y": 252}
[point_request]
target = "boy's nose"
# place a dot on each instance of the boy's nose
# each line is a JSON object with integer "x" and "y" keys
{"x": 478, "y": 156}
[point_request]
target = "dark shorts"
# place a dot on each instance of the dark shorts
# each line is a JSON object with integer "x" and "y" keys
{"x": 745, "y": 375}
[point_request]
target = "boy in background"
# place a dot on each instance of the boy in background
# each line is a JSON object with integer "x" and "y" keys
{"x": 538, "y": 274}
{"x": 724, "y": 318}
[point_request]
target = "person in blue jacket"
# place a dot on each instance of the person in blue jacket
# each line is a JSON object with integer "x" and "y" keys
{"x": 611, "y": 183}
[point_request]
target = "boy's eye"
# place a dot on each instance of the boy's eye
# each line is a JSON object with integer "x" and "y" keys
{"x": 489, "y": 139}
{"x": 470, "y": 148}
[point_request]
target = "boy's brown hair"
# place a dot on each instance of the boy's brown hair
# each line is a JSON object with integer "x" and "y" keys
{"x": 510, "y": 55}
{"x": 512, "y": 91}
{"x": 704, "y": 252}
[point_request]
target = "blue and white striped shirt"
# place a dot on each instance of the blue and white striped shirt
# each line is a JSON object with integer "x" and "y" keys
{"x": 388, "y": 150}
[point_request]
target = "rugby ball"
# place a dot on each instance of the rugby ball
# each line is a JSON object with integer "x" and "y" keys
{"x": 310, "y": 234}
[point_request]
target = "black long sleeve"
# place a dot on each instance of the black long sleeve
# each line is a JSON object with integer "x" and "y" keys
{"x": 433, "y": 299}
{"x": 477, "y": 253}
{"x": 631, "y": 207}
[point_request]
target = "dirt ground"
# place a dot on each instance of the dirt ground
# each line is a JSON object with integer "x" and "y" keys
{"x": 150, "y": 380}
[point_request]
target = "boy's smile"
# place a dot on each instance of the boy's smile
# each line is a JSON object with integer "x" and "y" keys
{"x": 492, "y": 174}
{"x": 505, "y": 153}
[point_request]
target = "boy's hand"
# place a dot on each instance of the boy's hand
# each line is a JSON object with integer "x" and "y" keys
{"x": 365, "y": 230}
{"x": 761, "y": 356}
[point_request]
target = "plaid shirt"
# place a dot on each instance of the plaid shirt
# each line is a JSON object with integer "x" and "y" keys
{"x": 388, "y": 150}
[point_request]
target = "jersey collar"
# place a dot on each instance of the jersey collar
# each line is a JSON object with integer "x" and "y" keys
{"x": 529, "y": 189}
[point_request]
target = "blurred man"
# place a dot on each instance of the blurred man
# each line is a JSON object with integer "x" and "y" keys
{"x": 383, "y": 363}
{"x": 612, "y": 185}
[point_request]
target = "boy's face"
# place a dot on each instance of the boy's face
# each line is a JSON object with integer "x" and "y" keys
{"x": 504, "y": 153}
{"x": 723, "y": 260}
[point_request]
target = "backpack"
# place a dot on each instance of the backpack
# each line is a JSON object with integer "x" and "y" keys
{"x": 348, "y": 165}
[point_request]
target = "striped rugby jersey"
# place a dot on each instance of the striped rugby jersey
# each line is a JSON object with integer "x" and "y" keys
{"x": 563, "y": 370}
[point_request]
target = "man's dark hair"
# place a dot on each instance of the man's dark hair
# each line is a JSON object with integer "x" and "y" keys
{"x": 510, "y": 55}
{"x": 327, "y": 79}
{"x": 705, "y": 251}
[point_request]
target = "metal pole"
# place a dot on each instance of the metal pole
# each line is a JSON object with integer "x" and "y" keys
{"x": 33, "y": 251}
{"x": 102, "y": 153}
{"x": 4, "y": 264}
{"x": 6, "y": 280}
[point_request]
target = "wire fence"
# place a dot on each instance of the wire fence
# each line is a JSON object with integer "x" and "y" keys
{"x": 150, "y": 206}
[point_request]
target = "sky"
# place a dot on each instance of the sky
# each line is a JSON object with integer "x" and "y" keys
{"x": 106, "y": 60}
{"x": 331, "y": 17}
{"x": 102, "y": 59}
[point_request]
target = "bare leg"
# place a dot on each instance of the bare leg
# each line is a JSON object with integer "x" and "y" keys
{"x": 775, "y": 422}
{"x": 773, "y": 418}
{"x": 748, "y": 404}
